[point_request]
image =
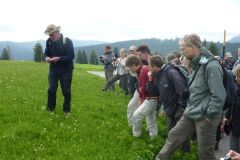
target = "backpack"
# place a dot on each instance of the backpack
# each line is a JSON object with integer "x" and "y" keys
{"x": 182, "y": 71}
{"x": 228, "y": 83}
{"x": 172, "y": 109}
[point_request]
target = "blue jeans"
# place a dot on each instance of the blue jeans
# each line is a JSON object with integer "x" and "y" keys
{"x": 65, "y": 81}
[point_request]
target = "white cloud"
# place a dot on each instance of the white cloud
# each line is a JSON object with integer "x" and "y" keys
{"x": 113, "y": 20}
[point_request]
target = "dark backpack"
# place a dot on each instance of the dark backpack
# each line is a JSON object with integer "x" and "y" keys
{"x": 228, "y": 83}
{"x": 174, "y": 106}
{"x": 182, "y": 71}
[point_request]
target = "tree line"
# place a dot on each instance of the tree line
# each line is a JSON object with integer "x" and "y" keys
{"x": 89, "y": 54}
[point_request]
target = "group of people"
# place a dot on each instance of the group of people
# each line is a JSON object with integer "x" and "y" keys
{"x": 189, "y": 86}
{"x": 114, "y": 68}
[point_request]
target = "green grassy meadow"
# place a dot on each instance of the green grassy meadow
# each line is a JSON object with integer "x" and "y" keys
{"x": 97, "y": 128}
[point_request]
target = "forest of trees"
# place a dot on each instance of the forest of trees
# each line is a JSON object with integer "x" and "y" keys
{"x": 81, "y": 57}
{"x": 162, "y": 47}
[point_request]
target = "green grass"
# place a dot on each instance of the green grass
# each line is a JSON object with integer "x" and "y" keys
{"x": 96, "y": 129}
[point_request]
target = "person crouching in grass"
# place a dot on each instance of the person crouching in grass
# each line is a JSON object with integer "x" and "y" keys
{"x": 147, "y": 102}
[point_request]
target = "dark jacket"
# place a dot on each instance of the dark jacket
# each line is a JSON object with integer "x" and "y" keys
{"x": 172, "y": 88}
{"x": 107, "y": 60}
{"x": 233, "y": 114}
{"x": 64, "y": 51}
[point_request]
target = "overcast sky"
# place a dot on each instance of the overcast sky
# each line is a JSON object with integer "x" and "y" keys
{"x": 117, "y": 20}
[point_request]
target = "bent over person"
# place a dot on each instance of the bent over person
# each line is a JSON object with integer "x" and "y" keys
{"x": 60, "y": 54}
{"x": 204, "y": 107}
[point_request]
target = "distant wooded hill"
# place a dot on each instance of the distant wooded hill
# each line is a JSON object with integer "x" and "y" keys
{"x": 162, "y": 47}
{"x": 24, "y": 50}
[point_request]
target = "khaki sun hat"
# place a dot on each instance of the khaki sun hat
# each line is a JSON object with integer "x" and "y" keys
{"x": 229, "y": 54}
{"x": 51, "y": 29}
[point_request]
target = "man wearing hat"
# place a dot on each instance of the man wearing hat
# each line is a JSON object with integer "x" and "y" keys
{"x": 228, "y": 62}
{"x": 59, "y": 53}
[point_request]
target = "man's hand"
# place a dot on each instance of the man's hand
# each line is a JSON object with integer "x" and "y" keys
{"x": 48, "y": 59}
{"x": 233, "y": 155}
{"x": 55, "y": 59}
{"x": 140, "y": 101}
{"x": 150, "y": 78}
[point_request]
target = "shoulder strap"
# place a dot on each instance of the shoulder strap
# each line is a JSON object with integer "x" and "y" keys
{"x": 194, "y": 76}
{"x": 210, "y": 60}
{"x": 64, "y": 41}
{"x": 65, "y": 44}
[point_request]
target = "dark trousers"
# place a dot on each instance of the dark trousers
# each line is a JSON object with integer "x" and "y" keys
{"x": 123, "y": 82}
{"x": 132, "y": 84}
{"x": 65, "y": 81}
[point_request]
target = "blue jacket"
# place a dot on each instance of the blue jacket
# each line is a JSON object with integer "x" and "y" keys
{"x": 64, "y": 51}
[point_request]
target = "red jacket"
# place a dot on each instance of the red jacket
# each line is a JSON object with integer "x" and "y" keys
{"x": 142, "y": 82}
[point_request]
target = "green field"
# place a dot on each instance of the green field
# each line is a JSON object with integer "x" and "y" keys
{"x": 97, "y": 128}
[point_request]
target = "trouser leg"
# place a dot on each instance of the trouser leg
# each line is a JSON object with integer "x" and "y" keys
{"x": 147, "y": 108}
{"x": 66, "y": 80}
{"x": 132, "y": 81}
{"x": 109, "y": 75}
{"x": 111, "y": 81}
{"x": 52, "y": 89}
{"x": 124, "y": 83}
{"x": 177, "y": 135}
{"x": 132, "y": 106}
{"x": 206, "y": 137}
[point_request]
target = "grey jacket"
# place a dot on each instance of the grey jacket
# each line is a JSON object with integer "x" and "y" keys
{"x": 207, "y": 93}
{"x": 107, "y": 61}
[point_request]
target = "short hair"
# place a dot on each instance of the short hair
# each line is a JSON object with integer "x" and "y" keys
{"x": 143, "y": 49}
{"x": 171, "y": 57}
{"x": 177, "y": 54}
{"x": 123, "y": 50}
{"x": 236, "y": 70}
{"x": 108, "y": 47}
{"x": 132, "y": 60}
{"x": 156, "y": 61}
{"x": 192, "y": 40}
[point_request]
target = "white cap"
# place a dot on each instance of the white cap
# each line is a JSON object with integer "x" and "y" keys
{"x": 132, "y": 48}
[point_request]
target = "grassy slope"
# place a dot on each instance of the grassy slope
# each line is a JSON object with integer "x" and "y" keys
{"x": 97, "y": 129}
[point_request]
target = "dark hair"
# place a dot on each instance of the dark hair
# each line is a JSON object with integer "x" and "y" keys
{"x": 171, "y": 57}
{"x": 177, "y": 54}
{"x": 156, "y": 61}
{"x": 143, "y": 49}
{"x": 108, "y": 47}
{"x": 132, "y": 60}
